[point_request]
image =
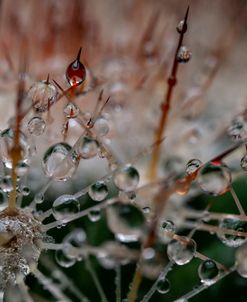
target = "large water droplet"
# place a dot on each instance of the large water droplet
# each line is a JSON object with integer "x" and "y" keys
{"x": 241, "y": 260}
{"x": 208, "y": 271}
{"x": 7, "y": 143}
{"x": 76, "y": 72}
{"x": 98, "y": 191}
{"x": 101, "y": 126}
{"x": 88, "y": 147}
{"x": 214, "y": 179}
{"x": 126, "y": 221}
{"x": 232, "y": 224}
{"x": 60, "y": 162}
{"x": 184, "y": 55}
{"x": 192, "y": 166}
{"x": 43, "y": 94}
{"x": 36, "y": 126}
{"x": 126, "y": 178}
{"x": 65, "y": 206}
{"x": 181, "y": 252}
{"x": 163, "y": 286}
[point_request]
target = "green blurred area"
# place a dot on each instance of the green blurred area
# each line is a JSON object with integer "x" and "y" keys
{"x": 182, "y": 278}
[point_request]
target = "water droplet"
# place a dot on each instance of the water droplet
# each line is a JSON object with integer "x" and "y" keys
{"x": 101, "y": 126}
{"x": 214, "y": 178}
{"x": 184, "y": 55}
{"x": 238, "y": 129}
{"x": 88, "y": 147}
{"x": 76, "y": 72}
{"x": 181, "y": 252}
{"x": 208, "y": 271}
{"x": 232, "y": 224}
{"x": 65, "y": 206}
{"x": 94, "y": 215}
{"x": 43, "y": 94}
{"x": 21, "y": 168}
{"x": 60, "y": 162}
{"x": 39, "y": 198}
{"x": 126, "y": 178}
{"x": 25, "y": 191}
{"x": 7, "y": 143}
{"x": 76, "y": 238}
{"x": 63, "y": 260}
{"x": 168, "y": 226}
{"x": 163, "y": 286}
{"x": 126, "y": 221}
{"x": 181, "y": 28}
{"x": 192, "y": 166}
{"x": 6, "y": 184}
{"x": 241, "y": 263}
{"x": 98, "y": 191}
{"x": 243, "y": 162}
{"x": 146, "y": 210}
{"x": 71, "y": 110}
{"x": 36, "y": 126}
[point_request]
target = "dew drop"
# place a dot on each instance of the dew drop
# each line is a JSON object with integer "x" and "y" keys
{"x": 208, "y": 271}
{"x": 192, "y": 166}
{"x": 168, "y": 226}
{"x": 63, "y": 260}
{"x": 39, "y": 198}
{"x": 25, "y": 191}
{"x": 214, "y": 179}
{"x": 238, "y": 129}
{"x": 243, "y": 163}
{"x": 181, "y": 252}
{"x": 21, "y": 168}
{"x": 88, "y": 147}
{"x": 101, "y": 126}
{"x": 98, "y": 191}
{"x": 65, "y": 206}
{"x": 71, "y": 110}
{"x": 76, "y": 72}
{"x": 6, "y": 184}
{"x": 184, "y": 55}
{"x": 76, "y": 238}
{"x": 232, "y": 224}
{"x": 126, "y": 178}
{"x": 181, "y": 28}
{"x": 126, "y": 221}
{"x": 36, "y": 126}
{"x": 60, "y": 162}
{"x": 241, "y": 260}
{"x": 94, "y": 215}
{"x": 7, "y": 143}
{"x": 43, "y": 94}
{"x": 163, "y": 286}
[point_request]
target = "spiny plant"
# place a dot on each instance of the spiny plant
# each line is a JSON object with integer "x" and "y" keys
{"x": 70, "y": 168}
